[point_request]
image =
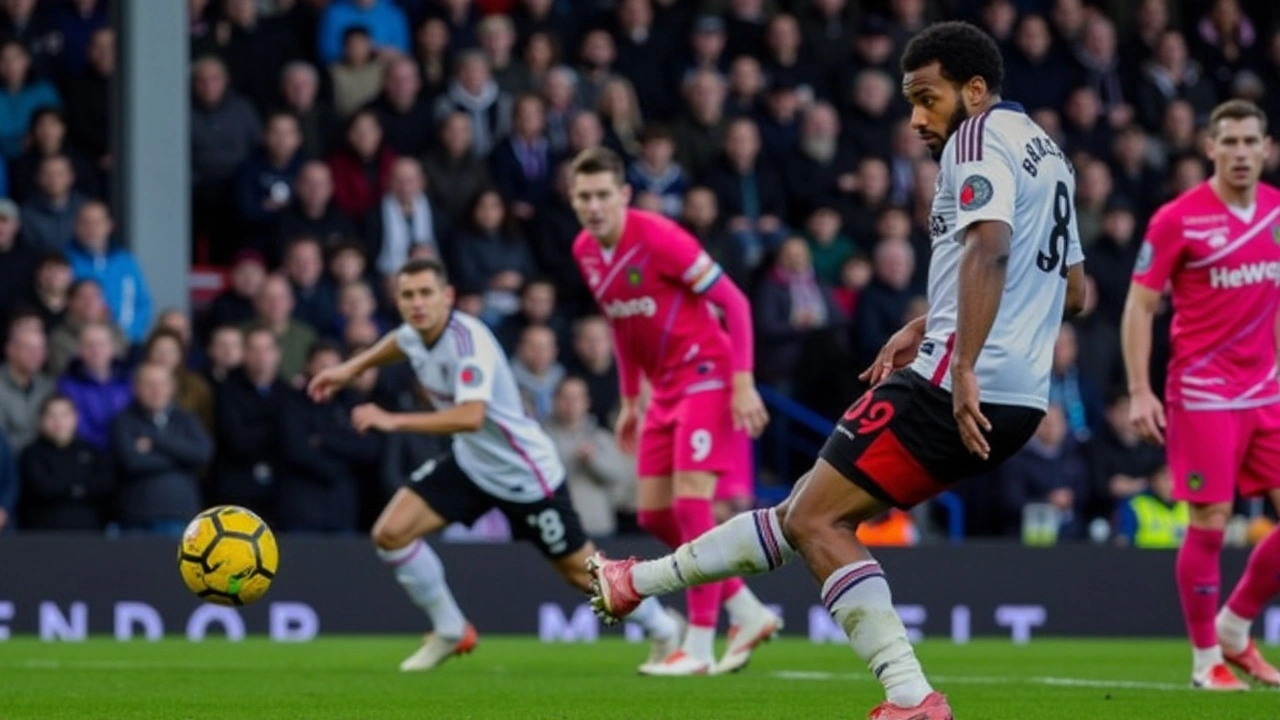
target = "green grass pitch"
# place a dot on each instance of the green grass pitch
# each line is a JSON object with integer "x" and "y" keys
{"x": 521, "y": 679}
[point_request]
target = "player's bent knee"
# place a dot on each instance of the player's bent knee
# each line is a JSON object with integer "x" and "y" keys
{"x": 1213, "y": 516}
{"x": 694, "y": 484}
{"x": 802, "y": 528}
{"x": 387, "y": 537}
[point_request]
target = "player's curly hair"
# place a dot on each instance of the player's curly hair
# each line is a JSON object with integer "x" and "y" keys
{"x": 961, "y": 50}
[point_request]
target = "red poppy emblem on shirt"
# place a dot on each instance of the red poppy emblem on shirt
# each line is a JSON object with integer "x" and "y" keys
{"x": 471, "y": 376}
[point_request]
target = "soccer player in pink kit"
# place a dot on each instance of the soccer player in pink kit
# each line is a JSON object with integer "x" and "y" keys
{"x": 1218, "y": 246}
{"x": 657, "y": 287}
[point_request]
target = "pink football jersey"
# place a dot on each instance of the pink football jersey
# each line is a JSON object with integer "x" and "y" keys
{"x": 650, "y": 287}
{"x": 1225, "y": 275}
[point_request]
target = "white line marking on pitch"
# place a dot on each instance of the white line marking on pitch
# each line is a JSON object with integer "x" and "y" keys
{"x": 981, "y": 680}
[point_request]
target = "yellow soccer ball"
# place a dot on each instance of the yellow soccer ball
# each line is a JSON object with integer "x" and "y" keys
{"x": 228, "y": 556}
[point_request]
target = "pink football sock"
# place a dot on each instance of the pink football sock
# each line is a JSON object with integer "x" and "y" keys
{"x": 695, "y": 517}
{"x": 662, "y": 525}
{"x": 1261, "y": 580}
{"x": 1198, "y": 579}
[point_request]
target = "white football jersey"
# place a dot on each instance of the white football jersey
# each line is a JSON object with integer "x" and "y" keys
{"x": 1001, "y": 166}
{"x": 510, "y": 457}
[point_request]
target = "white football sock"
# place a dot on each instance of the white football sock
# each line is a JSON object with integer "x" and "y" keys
{"x": 419, "y": 572}
{"x": 858, "y": 597}
{"x": 743, "y": 605}
{"x": 651, "y": 616}
{"x": 748, "y": 544}
{"x": 1233, "y": 631}
{"x": 1203, "y": 659}
{"x": 699, "y": 643}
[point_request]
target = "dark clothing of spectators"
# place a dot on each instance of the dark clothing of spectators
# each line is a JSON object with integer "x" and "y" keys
{"x": 319, "y": 485}
{"x": 407, "y": 133}
{"x": 246, "y": 468}
{"x": 64, "y": 488}
{"x": 159, "y": 456}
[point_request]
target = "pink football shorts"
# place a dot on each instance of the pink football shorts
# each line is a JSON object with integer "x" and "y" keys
{"x": 688, "y": 433}
{"x": 1213, "y": 452}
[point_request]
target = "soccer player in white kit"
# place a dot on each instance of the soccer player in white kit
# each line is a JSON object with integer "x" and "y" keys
{"x": 500, "y": 458}
{"x": 953, "y": 395}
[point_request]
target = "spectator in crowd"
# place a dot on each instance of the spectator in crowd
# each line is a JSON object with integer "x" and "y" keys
{"x": 455, "y": 171}
{"x": 655, "y": 171}
{"x": 491, "y": 257}
{"x": 85, "y": 305}
{"x": 536, "y": 370}
{"x": 402, "y": 109}
{"x": 1179, "y": 136}
{"x": 597, "y": 55}
{"x": 829, "y": 247}
{"x": 38, "y": 32}
{"x": 585, "y": 132}
{"x": 357, "y": 306}
{"x": 780, "y": 122}
{"x": 360, "y": 166}
{"x": 159, "y": 449}
{"x": 537, "y": 307}
{"x": 855, "y": 273}
{"x": 620, "y": 115}
{"x": 790, "y": 305}
{"x": 1084, "y": 127}
{"x": 521, "y": 162}
{"x": 226, "y": 353}
{"x": 319, "y": 483}
{"x": 89, "y": 101}
{"x": 1150, "y": 20}
{"x": 787, "y": 61}
{"x": 497, "y": 36}
{"x": 538, "y": 59}
{"x": 1099, "y": 64}
{"x": 700, "y": 130}
{"x": 828, "y": 31}
{"x": 67, "y": 484}
{"x": 1047, "y": 470}
{"x": 433, "y": 52}
{"x": 47, "y": 138}
{"x": 76, "y": 22}
{"x": 1035, "y": 72}
{"x": 23, "y": 384}
{"x": 274, "y": 311}
{"x": 1225, "y": 42}
{"x": 264, "y": 183}
{"x": 701, "y": 218}
{"x": 1070, "y": 390}
{"x": 48, "y": 215}
{"x": 224, "y": 131}
{"x": 599, "y": 476}
{"x": 315, "y": 302}
{"x": 819, "y": 171}
{"x": 167, "y": 348}
{"x": 559, "y": 91}
{"x": 1094, "y": 188}
{"x": 94, "y": 256}
{"x": 97, "y": 383}
{"x": 1152, "y": 519}
{"x": 882, "y": 304}
{"x": 250, "y": 406}
{"x": 312, "y": 211}
{"x": 1111, "y": 259}
{"x": 18, "y": 261}
{"x": 1172, "y": 75}
{"x": 404, "y": 218}
{"x": 551, "y": 241}
{"x": 383, "y": 20}
{"x": 235, "y": 304}
{"x": 461, "y": 17}
{"x": 750, "y": 191}
{"x": 592, "y": 360}
{"x": 1133, "y": 175}
{"x": 22, "y": 94}
{"x": 52, "y": 288}
{"x": 474, "y": 92}
{"x": 868, "y": 125}
{"x": 357, "y": 78}
{"x": 873, "y": 185}
{"x": 300, "y": 96}
{"x": 1122, "y": 465}
{"x": 255, "y": 48}
{"x": 744, "y": 92}
{"x": 705, "y": 51}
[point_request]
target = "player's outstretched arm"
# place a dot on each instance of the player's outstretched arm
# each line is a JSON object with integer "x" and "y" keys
{"x": 1145, "y": 410}
{"x": 465, "y": 417}
{"x": 1077, "y": 291}
{"x": 385, "y": 352}
{"x": 983, "y": 267}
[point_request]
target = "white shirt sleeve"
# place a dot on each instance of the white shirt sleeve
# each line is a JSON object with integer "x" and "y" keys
{"x": 476, "y": 371}
{"x": 983, "y": 176}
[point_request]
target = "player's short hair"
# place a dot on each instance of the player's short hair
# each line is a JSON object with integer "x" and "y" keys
{"x": 1236, "y": 110}
{"x": 421, "y": 265}
{"x": 961, "y": 50}
{"x": 594, "y": 161}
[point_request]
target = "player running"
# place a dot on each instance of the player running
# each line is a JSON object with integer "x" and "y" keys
{"x": 1006, "y": 260}
{"x": 658, "y": 289}
{"x": 1218, "y": 246}
{"x": 500, "y": 458}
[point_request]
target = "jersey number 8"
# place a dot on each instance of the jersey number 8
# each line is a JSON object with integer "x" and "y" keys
{"x": 550, "y": 527}
{"x": 1059, "y": 235}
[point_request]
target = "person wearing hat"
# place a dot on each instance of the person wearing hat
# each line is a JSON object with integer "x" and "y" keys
{"x": 17, "y": 261}
{"x": 706, "y": 48}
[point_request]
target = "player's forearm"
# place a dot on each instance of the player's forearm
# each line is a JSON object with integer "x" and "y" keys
{"x": 462, "y": 418}
{"x": 628, "y": 372}
{"x": 981, "y": 286}
{"x": 385, "y": 352}
{"x": 737, "y": 320}
{"x": 1135, "y": 345}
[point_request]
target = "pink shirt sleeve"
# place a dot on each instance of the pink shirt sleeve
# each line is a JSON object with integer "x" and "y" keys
{"x": 682, "y": 259}
{"x": 1161, "y": 251}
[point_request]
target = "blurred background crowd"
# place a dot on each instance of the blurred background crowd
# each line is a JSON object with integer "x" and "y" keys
{"x": 331, "y": 140}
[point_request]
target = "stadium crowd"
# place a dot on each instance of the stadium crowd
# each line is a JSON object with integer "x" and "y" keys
{"x": 331, "y": 140}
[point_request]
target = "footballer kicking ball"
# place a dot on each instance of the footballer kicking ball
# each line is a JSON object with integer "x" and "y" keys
{"x": 228, "y": 556}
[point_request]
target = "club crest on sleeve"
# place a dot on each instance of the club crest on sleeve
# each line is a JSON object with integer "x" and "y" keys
{"x": 975, "y": 192}
{"x": 471, "y": 376}
{"x": 1145, "y": 255}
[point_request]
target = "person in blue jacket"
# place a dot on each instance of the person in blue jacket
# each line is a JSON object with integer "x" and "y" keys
{"x": 115, "y": 269}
